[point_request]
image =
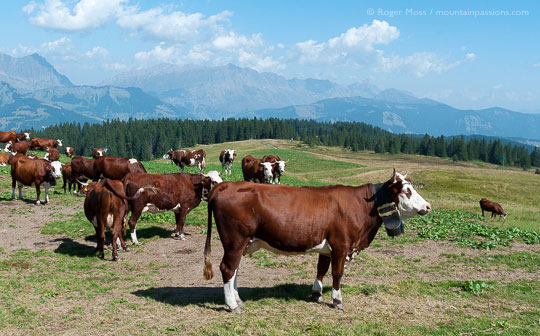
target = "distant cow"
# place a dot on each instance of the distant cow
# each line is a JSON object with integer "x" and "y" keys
{"x": 27, "y": 172}
{"x": 13, "y": 136}
{"x": 69, "y": 151}
{"x": 226, "y": 157}
{"x": 278, "y": 166}
{"x": 42, "y": 144}
{"x": 18, "y": 147}
{"x": 67, "y": 178}
{"x": 4, "y": 159}
{"x": 98, "y": 152}
{"x": 52, "y": 154}
{"x": 183, "y": 158}
{"x": 494, "y": 208}
{"x": 116, "y": 167}
{"x": 178, "y": 192}
{"x": 337, "y": 222}
{"x": 82, "y": 168}
{"x": 105, "y": 210}
{"x": 255, "y": 170}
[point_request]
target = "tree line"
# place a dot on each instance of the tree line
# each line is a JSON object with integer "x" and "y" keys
{"x": 147, "y": 139}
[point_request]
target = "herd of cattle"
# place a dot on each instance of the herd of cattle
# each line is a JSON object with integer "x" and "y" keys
{"x": 336, "y": 222}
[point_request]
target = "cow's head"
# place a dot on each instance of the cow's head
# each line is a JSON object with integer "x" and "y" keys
{"x": 59, "y": 143}
{"x": 281, "y": 166}
{"x": 56, "y": 169}
{"x": 98, "y": 152}
{"x": 27, "y": 136}
{"x": 408, "y": 200}
{"x": 209, "y": 181}
{"x": 49, "y": 174}
{"x": 168, "y": 155}
{"x": 7, "y": 149}
{"x": 267, "y": 170}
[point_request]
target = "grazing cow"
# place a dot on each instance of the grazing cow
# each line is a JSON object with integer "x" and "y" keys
{"x": 68, "y": 178}
{"x": 336, "y": 222}
{"x": 18, "y": 147}
{"x": 178, "y": 192}
{"x": 25, "y": 171}
{"x": 7, "y": 136}
{"x": 82, "y": 168}
{"x": 4, "y": 159}
{"x": 116, "y": 167}
{"x": 255, "y": 170}
{"x": 105, "y": 210}
{"x": 98, "y": 152}
{"x": 226, "y": 157}
{"x": 183, "y": 158}
{"x": 42, "y": 144}
{"x": 69, "y": 151}
{"x": 494, "y": 208}
{"x": 278, "y": 167}
{"x": 52, "y": 154}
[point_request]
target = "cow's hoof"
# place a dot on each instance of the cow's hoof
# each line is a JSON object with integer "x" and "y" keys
{"x": 337, "y": 304}
{"x": 317, "y": 297}
{"x": 240, "y": 303}
{"x": 115, "y": 258}
{"x": 38, "y": 202}
{"x": 237, "y": 310}
{"x": 125, "y": 248}
{"x": 101, "y": 256}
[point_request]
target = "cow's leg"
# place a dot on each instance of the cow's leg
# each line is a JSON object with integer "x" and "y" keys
{"x": 180, "y": 218}
{"x": 229, "y": 271}
{"x": 46, "y": 194}
{"x": 38, "y": 193}
{"x": 13, "y": 183}
{"x": 133, "y": 224}
{"x": 338, "y": 264}
{"x": 483, "y": 213}
{"x": 322, "y": 269}
{"x": 116, "y": 235}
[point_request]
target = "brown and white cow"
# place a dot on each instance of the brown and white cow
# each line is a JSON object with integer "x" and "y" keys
{"x": 105, "y": 210}
{"x": 98, "y": 152}
{"x": 69, "y": 152}
{"x": 178, "y": 192}
{"x": 67, "y": 178}
{"x": 255, "y": 170}
{"x": 18, "y": 147}
{"x": 42, "y": 144}
{"x": 278, "y": 167}
{"x": 494, "y": 208}
{"x": 52, "y": 154}
{"x": 226, "y": 157}
{"x": 334, "y": 221}
{"x": 183, "y": 158}
{"x": 6, "y": 136}
{"x": 82, "y": 168}
{"x": 4, "y": 159}
{"x": 116, "y": 167}
{"x": 37, "y": 172}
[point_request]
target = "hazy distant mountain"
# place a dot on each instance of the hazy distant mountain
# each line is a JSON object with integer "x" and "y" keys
{"x": 18, "y": 112}
{"x": 30, "y": 73}
{"x": 399, "y": 112}
{"x": 216, "y": 92}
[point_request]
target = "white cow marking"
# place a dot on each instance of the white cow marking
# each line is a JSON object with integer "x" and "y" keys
{"x": 94, "y": 222}
{"x": 317, "y": 286}
{"x": 256, "y": 244}
{"x": 230, "y": 292}
{"x": 191, "y": 162}
{"x": 109, "y": 220}
{"x": 134, "y": 237}
{"x": 155, "y": 210}
{"x": 132, "y": 161}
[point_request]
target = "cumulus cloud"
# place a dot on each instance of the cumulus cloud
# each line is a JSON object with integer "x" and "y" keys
{"x": 160, "y": 54}
{"x": 63, "y": 44}
{"x": 349, "y": 45}
{"x": 418, "y": 64}
{"x": 537, "y": 65}
{"x": 86, "y": 14}
{"x": 233, "y": 40}
{"x": 470, "y": 56}
{"x": 97, "y": 52}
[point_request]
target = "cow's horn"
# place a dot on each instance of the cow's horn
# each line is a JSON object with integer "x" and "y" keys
{"x": 406, "y": 173}
{"x": 82, "y": 183}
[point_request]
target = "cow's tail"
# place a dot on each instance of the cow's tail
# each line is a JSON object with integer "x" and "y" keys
{"x": 207, "y": 271}
{"x": 121, "y": 193}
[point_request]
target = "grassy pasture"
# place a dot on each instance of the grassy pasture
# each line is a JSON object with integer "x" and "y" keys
{"x": 424, "y": 282}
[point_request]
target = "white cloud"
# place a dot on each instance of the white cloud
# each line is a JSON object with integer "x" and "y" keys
{"x": 233, "y": 41}
{"x": 349, "y": 46}
{"x": 97, "y": 52}
{"x": 537, "y": 65}
{"x": 159, "y": 54}
{"x": 115, "y": 67}
{"x": 61, "y": 46}
{"x": 497, "y": 86}
{"x": 86, "y": 14}
{"x": 418, "y": 64}
{"x": 470, "y": 56}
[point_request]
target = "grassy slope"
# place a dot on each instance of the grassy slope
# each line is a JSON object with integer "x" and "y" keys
{"x": 413, "y": 296}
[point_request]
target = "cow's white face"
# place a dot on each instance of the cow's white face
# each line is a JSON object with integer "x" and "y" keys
{"x": 410, "y": 201}
{"x": 59, "y": 142}
{"x": 168, "y": 155}
{"x": 281, "y": 166}
{"x": 267, "y": 169}
{"x": 100, "y": 153}
{"x": 27, "y": 136}
{"x": 8, "y": 144}
{"x": 56, "y": 169}
{"x": 214, "y": 176}
{"x": 231, "y": 153}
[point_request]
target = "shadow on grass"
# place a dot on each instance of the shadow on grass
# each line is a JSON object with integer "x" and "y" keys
{"x": 72, "y": 248}
{"x": 206, "y": 297}
{"x": 151, "y": 232}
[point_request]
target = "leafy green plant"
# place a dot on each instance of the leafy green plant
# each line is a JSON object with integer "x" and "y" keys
{"x": 475, "y": 286}
{"x": 467, "y": 229}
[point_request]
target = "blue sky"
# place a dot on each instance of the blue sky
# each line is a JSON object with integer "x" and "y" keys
{"x": 469, "y": 55}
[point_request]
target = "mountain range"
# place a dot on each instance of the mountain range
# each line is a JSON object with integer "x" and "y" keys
{"x": 34, "y": 94}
